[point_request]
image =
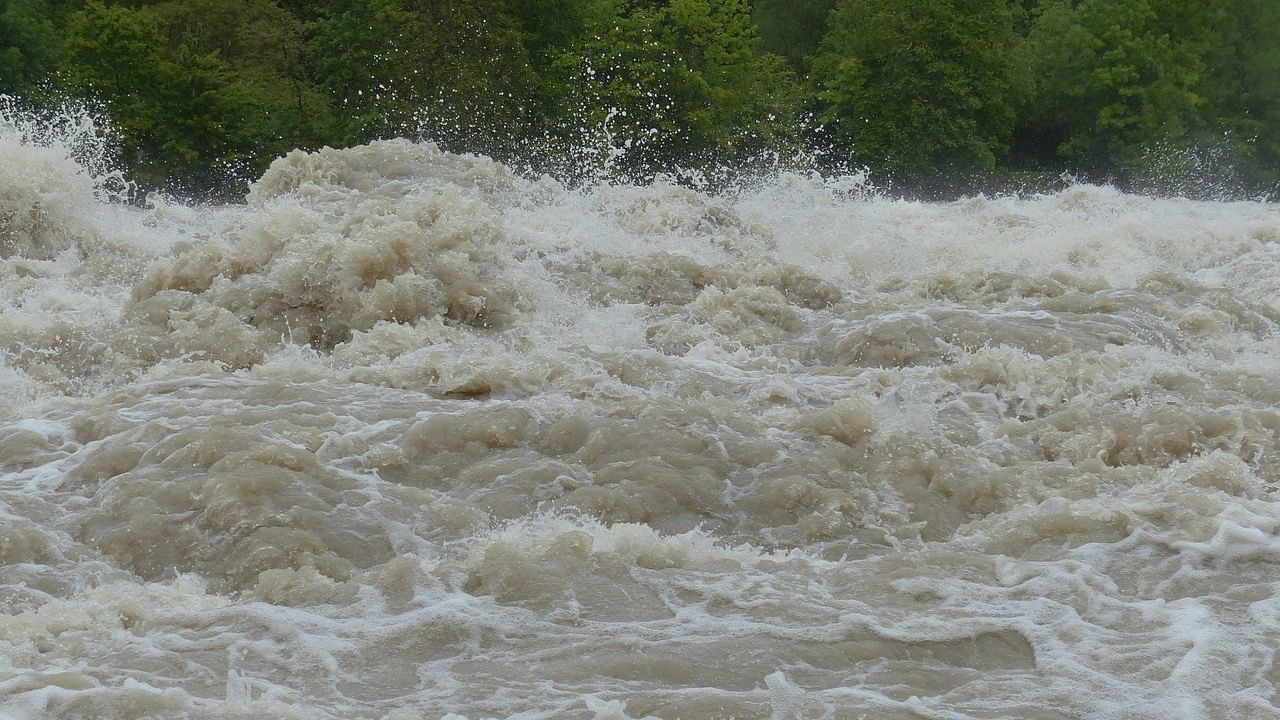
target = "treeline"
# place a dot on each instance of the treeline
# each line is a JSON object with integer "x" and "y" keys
{"x": 938, "y": 95}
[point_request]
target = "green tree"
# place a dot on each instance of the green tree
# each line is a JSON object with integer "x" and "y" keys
{"x": 1238, "y": 45}
{"x": 1109, "y": 82}
{"x": 1146, "y": 91}
{"x": 551, "y": 24}
{"x": 677, "y": 82}
{"x": 912, "y": 86}
{"x": 29, "y": 43}
{"x": 185, "y": 117}
{"x": 793, "y": 28}
{"x": 264, "y": 44}
{"x": 115, "y": 53}
{"x": 454, "y": 71}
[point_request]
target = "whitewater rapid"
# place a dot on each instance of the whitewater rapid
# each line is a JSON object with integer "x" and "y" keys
{"x": 406, "y": 435}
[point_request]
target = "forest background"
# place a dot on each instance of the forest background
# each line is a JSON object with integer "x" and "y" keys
{"x": 933, "y": 97}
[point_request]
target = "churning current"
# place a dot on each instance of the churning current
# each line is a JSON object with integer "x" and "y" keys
{"x": 406, "y": 435}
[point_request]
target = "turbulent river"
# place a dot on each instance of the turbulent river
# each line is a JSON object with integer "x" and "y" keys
{"x": 406, "y": 435}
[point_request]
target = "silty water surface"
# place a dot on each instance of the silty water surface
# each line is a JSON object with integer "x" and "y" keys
{"x": 406, "y": 435}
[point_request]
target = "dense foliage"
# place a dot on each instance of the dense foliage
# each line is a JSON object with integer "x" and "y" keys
{"x": 1179, "y": 96}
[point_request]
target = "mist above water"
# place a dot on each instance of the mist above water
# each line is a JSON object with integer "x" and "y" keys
{"x": 406, "y": 434}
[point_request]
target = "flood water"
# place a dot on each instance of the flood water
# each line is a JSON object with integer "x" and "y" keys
{"x": 405, "y": 435}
